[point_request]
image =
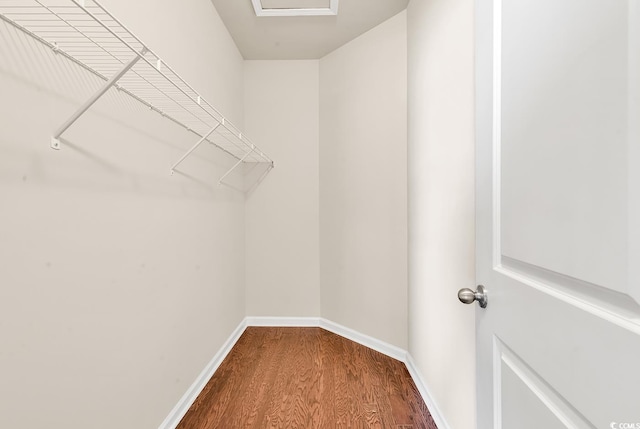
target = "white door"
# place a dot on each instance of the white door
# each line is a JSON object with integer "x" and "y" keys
{"x": 558, "y": 213}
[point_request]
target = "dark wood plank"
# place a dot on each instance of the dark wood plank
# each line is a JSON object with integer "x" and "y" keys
{"x": 307, "y": 378}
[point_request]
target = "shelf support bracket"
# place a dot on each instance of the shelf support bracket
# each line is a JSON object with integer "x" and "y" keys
{"x": 195, "y": 146}
{"x": 55, "y": 140}
{"x": 236, "y": 164}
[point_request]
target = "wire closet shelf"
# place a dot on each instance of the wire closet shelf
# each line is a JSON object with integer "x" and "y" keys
{"x": 87, "y": 34}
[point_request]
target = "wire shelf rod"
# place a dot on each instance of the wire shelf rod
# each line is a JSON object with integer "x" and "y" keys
{"x": 104, "y": 78}
{"x": 80, "y": 32}
{"x": 147, "y": 61}
{"x": 86, "y": 33}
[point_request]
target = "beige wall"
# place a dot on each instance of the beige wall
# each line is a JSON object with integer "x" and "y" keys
{"x": 118, "y": 281}
{"x": 282, "y": 226}
{"x": 441, "y": 202}
{"x": 363, "y": 180}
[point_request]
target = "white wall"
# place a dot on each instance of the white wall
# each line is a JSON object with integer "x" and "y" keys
{"x": 363, "y": 180}
{"x": 118, "y": 281}
{"x": 282, "y": 226}
{"x": 441, "y": 202}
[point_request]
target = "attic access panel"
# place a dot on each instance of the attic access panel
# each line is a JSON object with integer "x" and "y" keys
{"x": 295, "y": 7}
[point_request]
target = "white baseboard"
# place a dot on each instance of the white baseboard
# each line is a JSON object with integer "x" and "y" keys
{"x": 380, "y": 346}
{"x": 183, "y": 405}
{"x": 307, "y": 322}
{"x": 425, "y": 393}
{"x": 392, "y": 351}
{"x": 365, "y": 340}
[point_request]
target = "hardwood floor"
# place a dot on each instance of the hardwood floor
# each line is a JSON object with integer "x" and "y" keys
{"x": 307, "y": 378}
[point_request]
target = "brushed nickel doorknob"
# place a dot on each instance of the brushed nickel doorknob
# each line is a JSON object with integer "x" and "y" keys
{"x": 468, "y": 296}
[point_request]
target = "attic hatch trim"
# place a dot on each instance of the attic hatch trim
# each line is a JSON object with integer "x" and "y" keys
{"x": 332, "y": 10}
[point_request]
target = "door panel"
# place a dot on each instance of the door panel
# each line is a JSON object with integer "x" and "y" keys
{"x": 558, "y": 213}
{"x": 520, "y": 400}
{"x": 526, "y": 400}
{"x": 588, "y": 363}
{"x": 563, "y": 91}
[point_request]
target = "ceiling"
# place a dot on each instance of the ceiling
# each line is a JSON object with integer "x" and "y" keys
{"x": 301, "y": 37}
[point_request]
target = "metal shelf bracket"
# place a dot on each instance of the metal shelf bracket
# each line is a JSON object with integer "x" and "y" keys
{"x": 240, "y": 161}
{"x": 194, "y": 147}
{"x": 55, "y": 140}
